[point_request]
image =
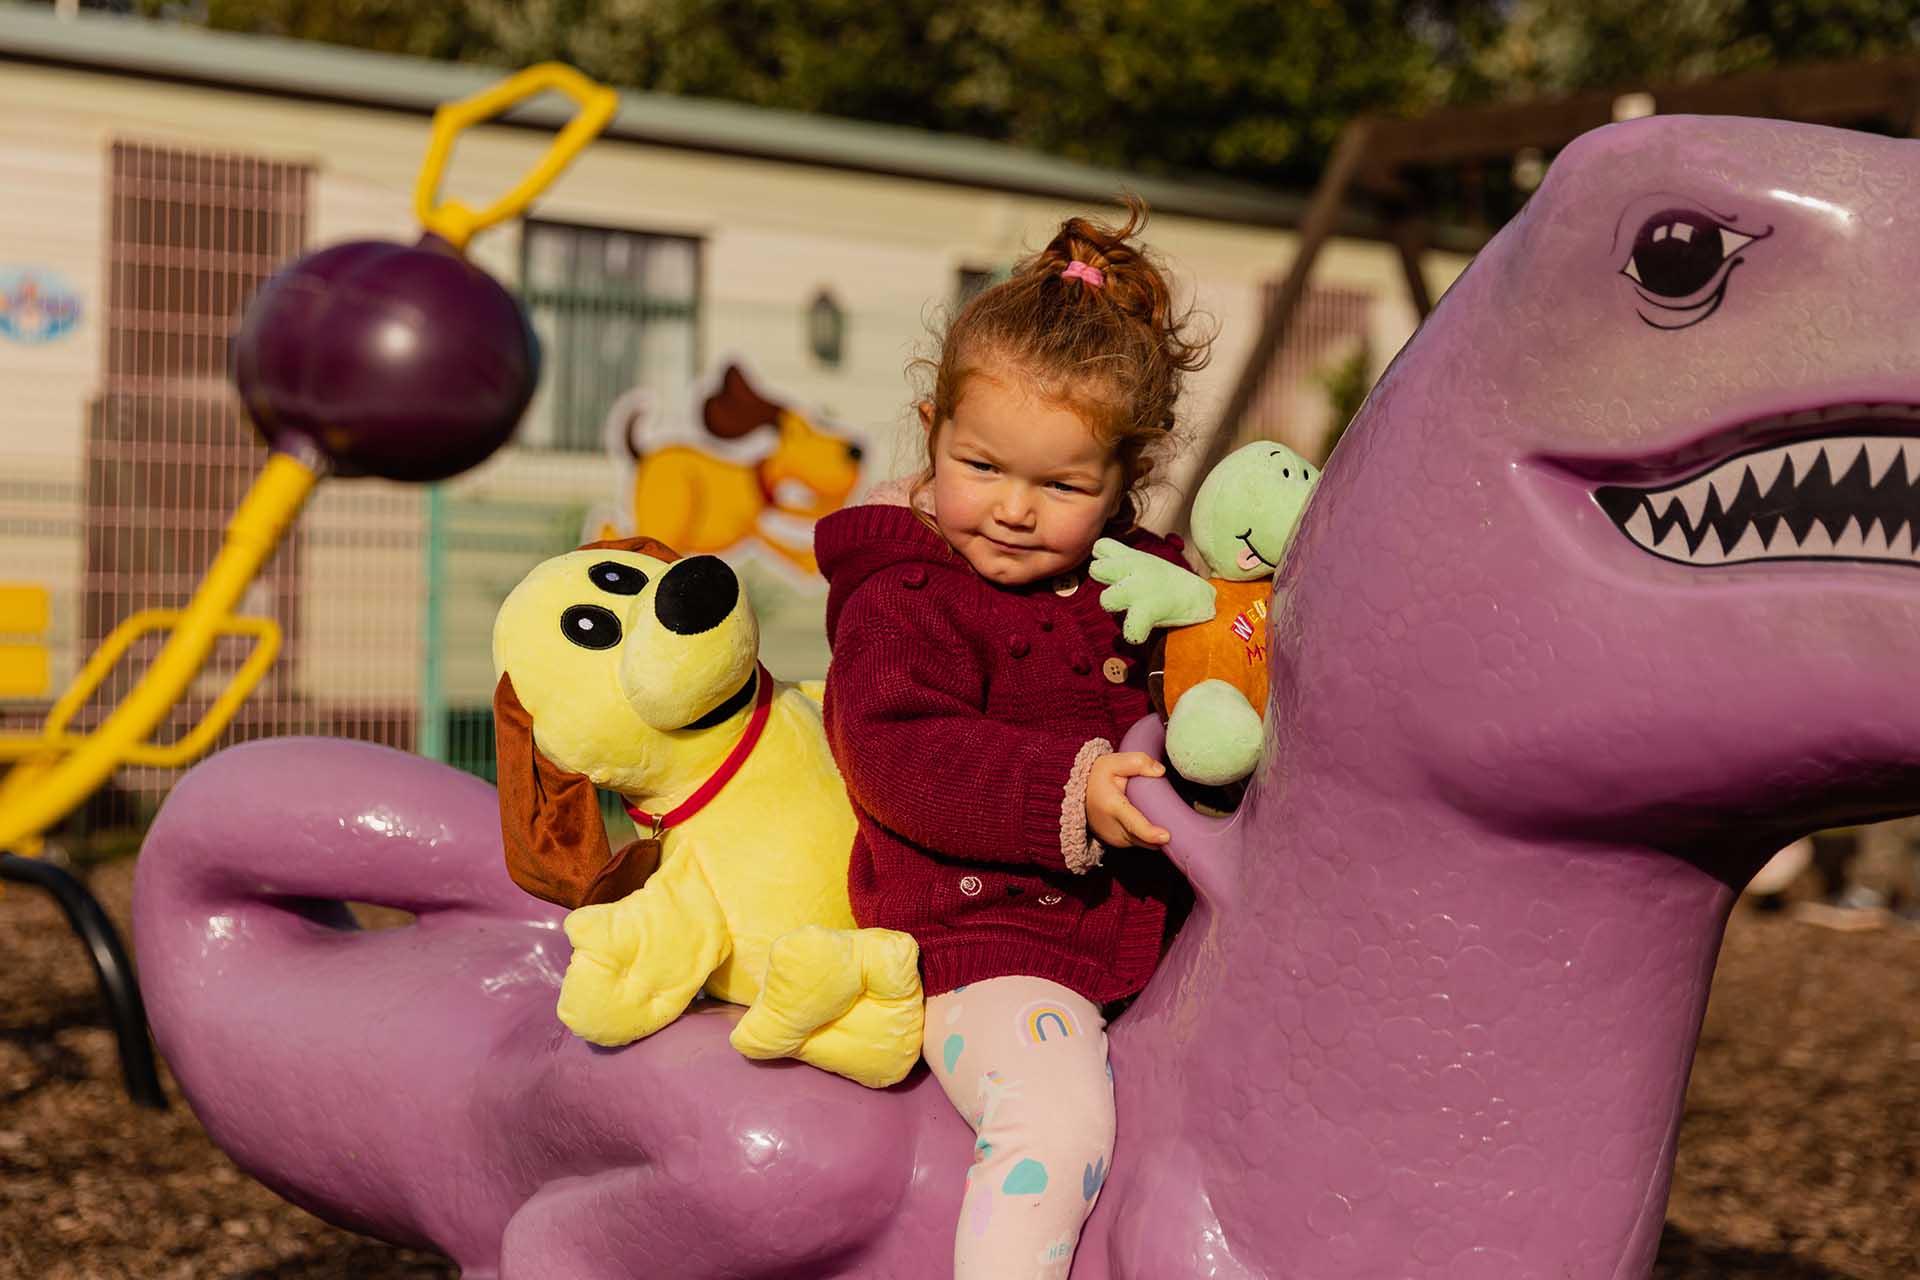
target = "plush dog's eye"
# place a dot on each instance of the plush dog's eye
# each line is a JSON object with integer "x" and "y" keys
{"x": 590, "y": 626}
{"x": 620, "y": 579}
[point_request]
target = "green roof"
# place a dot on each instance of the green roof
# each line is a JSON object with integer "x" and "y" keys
{"x": 300, "y": 69}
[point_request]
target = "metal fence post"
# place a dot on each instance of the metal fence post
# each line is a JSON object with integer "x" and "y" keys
{"x": 433, "y": 701}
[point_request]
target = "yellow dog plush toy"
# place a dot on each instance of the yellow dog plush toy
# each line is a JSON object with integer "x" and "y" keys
{"x": 624, "y": 666}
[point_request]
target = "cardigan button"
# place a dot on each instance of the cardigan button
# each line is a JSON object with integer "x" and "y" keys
{"x": 1017, "y": 646}
{"x": 1065, "y": 585}
{"x": 913, "y": 579}
{"x": 1115, "y": 670}
{"x": 1081, "y": 665}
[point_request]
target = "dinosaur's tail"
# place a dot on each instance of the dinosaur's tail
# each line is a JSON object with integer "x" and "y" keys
{"x": 333, "y": 1063}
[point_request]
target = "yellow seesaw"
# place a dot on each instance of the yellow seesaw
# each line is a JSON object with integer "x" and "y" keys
{"x": 447, "y": 328}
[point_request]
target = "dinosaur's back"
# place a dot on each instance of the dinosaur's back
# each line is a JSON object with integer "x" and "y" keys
{"x": 414, "y": 1083}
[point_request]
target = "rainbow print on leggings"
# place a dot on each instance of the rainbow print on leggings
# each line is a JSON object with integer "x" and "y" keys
{"x": 1046, "y": 1021}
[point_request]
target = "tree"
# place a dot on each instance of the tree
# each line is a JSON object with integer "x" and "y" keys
{"x": 1559, "y": 46}
{"x": 1252, "y": 89}
{"x": 1245, "y": 88}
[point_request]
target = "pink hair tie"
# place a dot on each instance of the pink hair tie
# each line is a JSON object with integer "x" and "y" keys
{"x": 1078, "y": 270}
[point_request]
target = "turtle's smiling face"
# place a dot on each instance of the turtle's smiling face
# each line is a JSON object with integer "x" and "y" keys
{"x": 1247, "y": 508}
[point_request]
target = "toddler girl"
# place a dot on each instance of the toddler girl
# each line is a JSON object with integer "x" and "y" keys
{"x": 976, "y": 692}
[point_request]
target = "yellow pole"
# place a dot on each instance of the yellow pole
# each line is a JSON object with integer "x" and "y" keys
{"x": 38, "y": 792}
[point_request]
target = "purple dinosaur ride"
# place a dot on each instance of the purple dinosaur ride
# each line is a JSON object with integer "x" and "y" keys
{"x": 1605, "y": 597}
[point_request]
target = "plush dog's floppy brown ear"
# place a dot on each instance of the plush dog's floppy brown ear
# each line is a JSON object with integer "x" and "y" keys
{"x": 736, "y": 408}
{"x": 550, "y": 820}
{"x": 639, "y": 546}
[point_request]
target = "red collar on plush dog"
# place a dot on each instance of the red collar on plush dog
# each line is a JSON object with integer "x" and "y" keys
{"x": 762, "y": 705}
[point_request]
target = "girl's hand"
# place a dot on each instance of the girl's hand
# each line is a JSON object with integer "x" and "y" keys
{"x": 1110, "y": 815}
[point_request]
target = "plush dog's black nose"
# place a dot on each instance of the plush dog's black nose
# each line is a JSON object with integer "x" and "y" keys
{"x": 696, "y": 595}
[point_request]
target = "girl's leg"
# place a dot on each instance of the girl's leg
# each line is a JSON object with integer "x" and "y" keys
{"x": 1024, "y": 1060}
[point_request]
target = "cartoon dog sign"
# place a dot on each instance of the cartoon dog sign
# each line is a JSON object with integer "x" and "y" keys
{"x": 695, "y": 497}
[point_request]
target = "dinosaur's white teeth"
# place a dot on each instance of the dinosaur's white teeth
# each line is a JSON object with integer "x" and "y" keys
{"x": 1710, "y": 551}
{"x": 1845, "y": 456}
{"x": 1881, "y": 451}
{"x": 1765, "y": 468}
{"x": 1693, "y": 500}
{"x": 1817, "y": 542}
{"x": 1803, "y": 456}
{"x": 1749, "y": 546}
{"x": 1853, "y": 497}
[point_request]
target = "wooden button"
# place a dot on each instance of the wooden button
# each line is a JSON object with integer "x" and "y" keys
{"x": 1115, "y": 670}
{"x": 1065, "y": 585}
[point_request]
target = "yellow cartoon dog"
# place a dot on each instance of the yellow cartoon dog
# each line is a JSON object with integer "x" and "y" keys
{"x": 697, "y": 502}
{"x": 625, "y": 666}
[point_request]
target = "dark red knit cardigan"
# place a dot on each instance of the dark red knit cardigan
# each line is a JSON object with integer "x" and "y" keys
{"x": 959, "y": 712}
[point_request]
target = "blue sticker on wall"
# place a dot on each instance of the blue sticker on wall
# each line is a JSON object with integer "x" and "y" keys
{"x": 36, "y": 305}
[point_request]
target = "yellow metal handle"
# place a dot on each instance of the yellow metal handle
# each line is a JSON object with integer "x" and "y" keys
{"x": 453, "y": 221}
{"x": 191, "y": 745}
{"x": 48, "y": 784}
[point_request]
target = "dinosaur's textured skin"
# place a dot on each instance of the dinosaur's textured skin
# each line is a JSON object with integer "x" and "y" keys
{"x": 1433, "y": 1015}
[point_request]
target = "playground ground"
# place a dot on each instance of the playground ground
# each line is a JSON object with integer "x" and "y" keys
{"x": 1799, "y": 1154}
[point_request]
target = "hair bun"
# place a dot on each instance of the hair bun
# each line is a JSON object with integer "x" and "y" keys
{"x": 1114, "y": 346}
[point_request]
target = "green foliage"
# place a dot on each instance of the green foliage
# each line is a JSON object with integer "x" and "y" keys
{"x": 1347, "y": 383}
{"x": 1557, "y": 46}
{"x": 1249, "y": 88}
{"x": 1254, "y": 89}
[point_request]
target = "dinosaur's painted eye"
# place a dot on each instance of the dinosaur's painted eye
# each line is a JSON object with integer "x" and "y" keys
{"x": 590, "y": 626}
{"x": 620, "y": 579}
{"x": 1678, "y": 252}
{"x": 1681, "y": 262}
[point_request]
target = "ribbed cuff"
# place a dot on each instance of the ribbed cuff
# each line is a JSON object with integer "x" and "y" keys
{"x": 1078, "y": 849}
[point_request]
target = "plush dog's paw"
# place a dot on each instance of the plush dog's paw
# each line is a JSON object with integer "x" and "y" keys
{"x": 597, "y": 931}
{"x": 844, "y": 1000}
{"x": 639, "y": 961}
{"x": 813, "y": 976}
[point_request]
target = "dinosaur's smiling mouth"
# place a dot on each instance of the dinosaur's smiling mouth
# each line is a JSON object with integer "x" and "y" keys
{"x": 1851, "y": 493}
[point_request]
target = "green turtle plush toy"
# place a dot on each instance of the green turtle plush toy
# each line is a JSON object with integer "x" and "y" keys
{"x": 1213, "y": 687}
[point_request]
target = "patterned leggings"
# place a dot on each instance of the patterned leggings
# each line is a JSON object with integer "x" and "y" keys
{"x": 1024, "y": 1060}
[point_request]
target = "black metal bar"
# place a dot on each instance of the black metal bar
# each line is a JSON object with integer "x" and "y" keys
{"x": 118, "y": 986}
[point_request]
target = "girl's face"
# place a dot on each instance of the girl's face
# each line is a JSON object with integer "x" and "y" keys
{"x": 1021, "y": 486}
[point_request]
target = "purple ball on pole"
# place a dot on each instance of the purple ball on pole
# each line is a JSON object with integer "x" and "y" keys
{"x": 404, "y": 362}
